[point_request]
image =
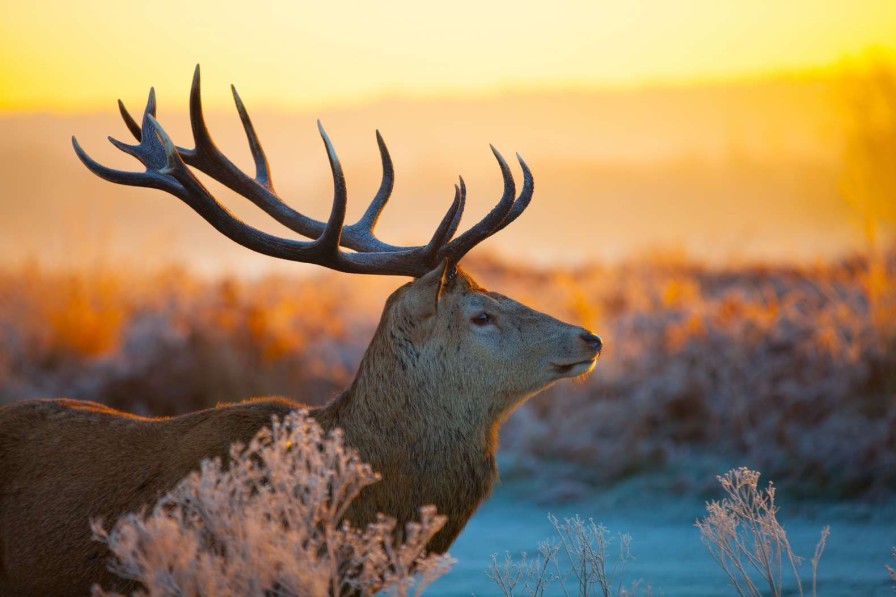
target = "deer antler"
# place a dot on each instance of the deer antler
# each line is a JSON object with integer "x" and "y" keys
{"x": 168, "y": 169}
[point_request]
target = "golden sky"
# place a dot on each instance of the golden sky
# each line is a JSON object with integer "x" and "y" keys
{"x": 69, "y": 56}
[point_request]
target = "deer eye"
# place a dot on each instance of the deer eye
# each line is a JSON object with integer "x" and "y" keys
{"x": 482, "y": 319}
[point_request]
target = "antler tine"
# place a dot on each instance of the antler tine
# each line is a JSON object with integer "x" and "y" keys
{"x": 129, "y": 120}
{"x": 113, "y": 175}
{"x": 459, "y": 247}
{"x": 447, "y": 226}
{"x": 205, "y": 155}
{"x": 368, "y": 221}
{"x": 525, "y": 196}
{"x": 329, "y": 239}
{"x": 132, "y": 150}
{"x": 262, "y": 168}
{"x": 460, "y": 210}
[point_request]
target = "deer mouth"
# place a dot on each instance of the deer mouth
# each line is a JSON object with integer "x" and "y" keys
{"x": 574, "y": 369}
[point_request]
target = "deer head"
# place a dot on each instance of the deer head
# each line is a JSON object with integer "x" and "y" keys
{"x": 482, "y": 351}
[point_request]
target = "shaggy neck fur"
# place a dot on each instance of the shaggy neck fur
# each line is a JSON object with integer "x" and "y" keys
{"x": 432, "y": 442}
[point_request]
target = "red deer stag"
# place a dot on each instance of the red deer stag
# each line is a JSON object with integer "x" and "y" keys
{"x": 448, "y": 362}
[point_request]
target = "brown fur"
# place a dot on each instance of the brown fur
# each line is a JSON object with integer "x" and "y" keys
{"x": 424, "y": 410}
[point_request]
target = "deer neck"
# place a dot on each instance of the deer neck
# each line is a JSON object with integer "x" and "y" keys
{"x": 427, "y": 450}
{"x": 394, "y": 412}
{"x": 430, "y": 420}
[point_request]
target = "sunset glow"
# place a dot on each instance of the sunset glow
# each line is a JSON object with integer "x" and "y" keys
{"x": 662, "y": 231}
{"x": 61, "y": 56}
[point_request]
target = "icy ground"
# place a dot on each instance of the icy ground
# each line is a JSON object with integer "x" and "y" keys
{"x": 666, "y": 545}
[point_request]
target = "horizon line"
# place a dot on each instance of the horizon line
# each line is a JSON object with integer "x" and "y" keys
{"x": 874, "y": 58}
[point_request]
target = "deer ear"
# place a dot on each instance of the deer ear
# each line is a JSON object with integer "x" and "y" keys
{"x": 425, "y": 292}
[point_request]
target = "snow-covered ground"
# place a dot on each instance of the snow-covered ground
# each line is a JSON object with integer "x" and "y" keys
{"x": 666, "y": 545}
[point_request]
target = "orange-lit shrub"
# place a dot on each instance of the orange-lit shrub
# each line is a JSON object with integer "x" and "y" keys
{"x": 87, "y": 318}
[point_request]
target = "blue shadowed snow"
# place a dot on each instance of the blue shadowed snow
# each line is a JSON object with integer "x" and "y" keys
{"x": 666, "y": 545}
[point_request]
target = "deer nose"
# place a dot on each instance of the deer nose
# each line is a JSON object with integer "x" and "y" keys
{"x": 592, "y": 340}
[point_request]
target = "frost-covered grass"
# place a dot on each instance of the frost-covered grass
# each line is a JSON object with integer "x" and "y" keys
{"x": 745, "y": 538}
{"x": 668, "y": 555}
{"x": 744, "y": 532}
{"x": 270, "y": 523}
{"x": 581, "y": 559}
{"x": 788, "y": 369}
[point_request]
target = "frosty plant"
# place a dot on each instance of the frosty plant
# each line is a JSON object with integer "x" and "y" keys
{"x": 744, "y": 537}
{"x": 271, "y": 524}
{"x": 592, "y": 569}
